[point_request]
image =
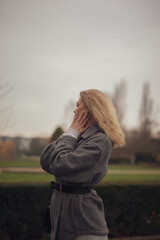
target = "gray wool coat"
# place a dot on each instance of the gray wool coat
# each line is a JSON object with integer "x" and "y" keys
{"x": 82, "y": 161}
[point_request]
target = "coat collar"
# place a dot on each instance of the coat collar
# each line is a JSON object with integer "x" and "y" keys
{"x": 91, "y": 130}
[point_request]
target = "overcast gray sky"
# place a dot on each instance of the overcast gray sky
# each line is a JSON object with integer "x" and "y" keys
{"x": 58, "y": 48}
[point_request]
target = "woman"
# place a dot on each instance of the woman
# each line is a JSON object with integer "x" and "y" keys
{"x": 79, "y": 159}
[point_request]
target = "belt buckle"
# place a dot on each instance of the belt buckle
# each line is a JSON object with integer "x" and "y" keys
{"x": 58, "y": 187}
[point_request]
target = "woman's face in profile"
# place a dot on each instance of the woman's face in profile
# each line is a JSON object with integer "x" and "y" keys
{"x": 80, "y": 108}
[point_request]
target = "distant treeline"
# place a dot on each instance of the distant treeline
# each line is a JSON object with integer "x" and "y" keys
{"x": 139, "y": 147}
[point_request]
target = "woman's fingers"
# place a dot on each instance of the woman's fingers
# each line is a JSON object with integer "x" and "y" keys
{"x": 81, "y": 123}
{"x": 83, "y": 117}
{"x": 84, "y": 120}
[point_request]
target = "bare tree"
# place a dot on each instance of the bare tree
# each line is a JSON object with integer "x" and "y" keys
{"x": 146, "y": 112}
{"x": 6, "y": 86}
{"x": 119, "y": 99}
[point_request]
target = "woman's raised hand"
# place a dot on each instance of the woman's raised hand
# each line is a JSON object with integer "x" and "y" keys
{"x": 80, "y": 122}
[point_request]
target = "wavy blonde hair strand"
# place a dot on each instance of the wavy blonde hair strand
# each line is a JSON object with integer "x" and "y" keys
{"x": 104, "y": 115}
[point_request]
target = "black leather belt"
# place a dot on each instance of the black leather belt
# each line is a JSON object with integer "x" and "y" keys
{"x": 69, "y": 189}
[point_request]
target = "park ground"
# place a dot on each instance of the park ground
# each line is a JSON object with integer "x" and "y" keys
{"x": 27, "y": 170}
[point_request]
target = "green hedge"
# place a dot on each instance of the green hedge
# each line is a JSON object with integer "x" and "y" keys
{"x": 130, "y": 211}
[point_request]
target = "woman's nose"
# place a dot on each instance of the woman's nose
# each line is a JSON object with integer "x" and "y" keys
{"x": 75, "y": 110}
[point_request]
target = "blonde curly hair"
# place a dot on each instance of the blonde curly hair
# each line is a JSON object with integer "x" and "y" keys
{"x": 103, "y": 114}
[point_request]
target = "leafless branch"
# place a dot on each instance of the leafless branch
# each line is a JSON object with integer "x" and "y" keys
{"x": 119, "y": 99}
{"x": 6, "y": 86}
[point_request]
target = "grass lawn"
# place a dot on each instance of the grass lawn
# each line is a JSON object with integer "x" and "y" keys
{"x": 34, "y": 161}
{"x": 39, "y": 178}
{"x": 32, "y": 178}
{"x": 22, "y": 161}
{"x": 131, "y": 179}
{"x": 138, "y": 166}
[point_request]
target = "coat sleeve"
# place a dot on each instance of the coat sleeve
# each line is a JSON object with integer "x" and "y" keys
{"x": 45, "y": 156}
{"x": 68, "y": 162}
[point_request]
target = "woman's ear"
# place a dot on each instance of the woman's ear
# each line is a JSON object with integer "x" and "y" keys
{"x": 87, "y": 113}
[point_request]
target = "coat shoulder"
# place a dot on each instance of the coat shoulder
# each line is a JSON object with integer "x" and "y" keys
{"x": 101, "y": 139}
